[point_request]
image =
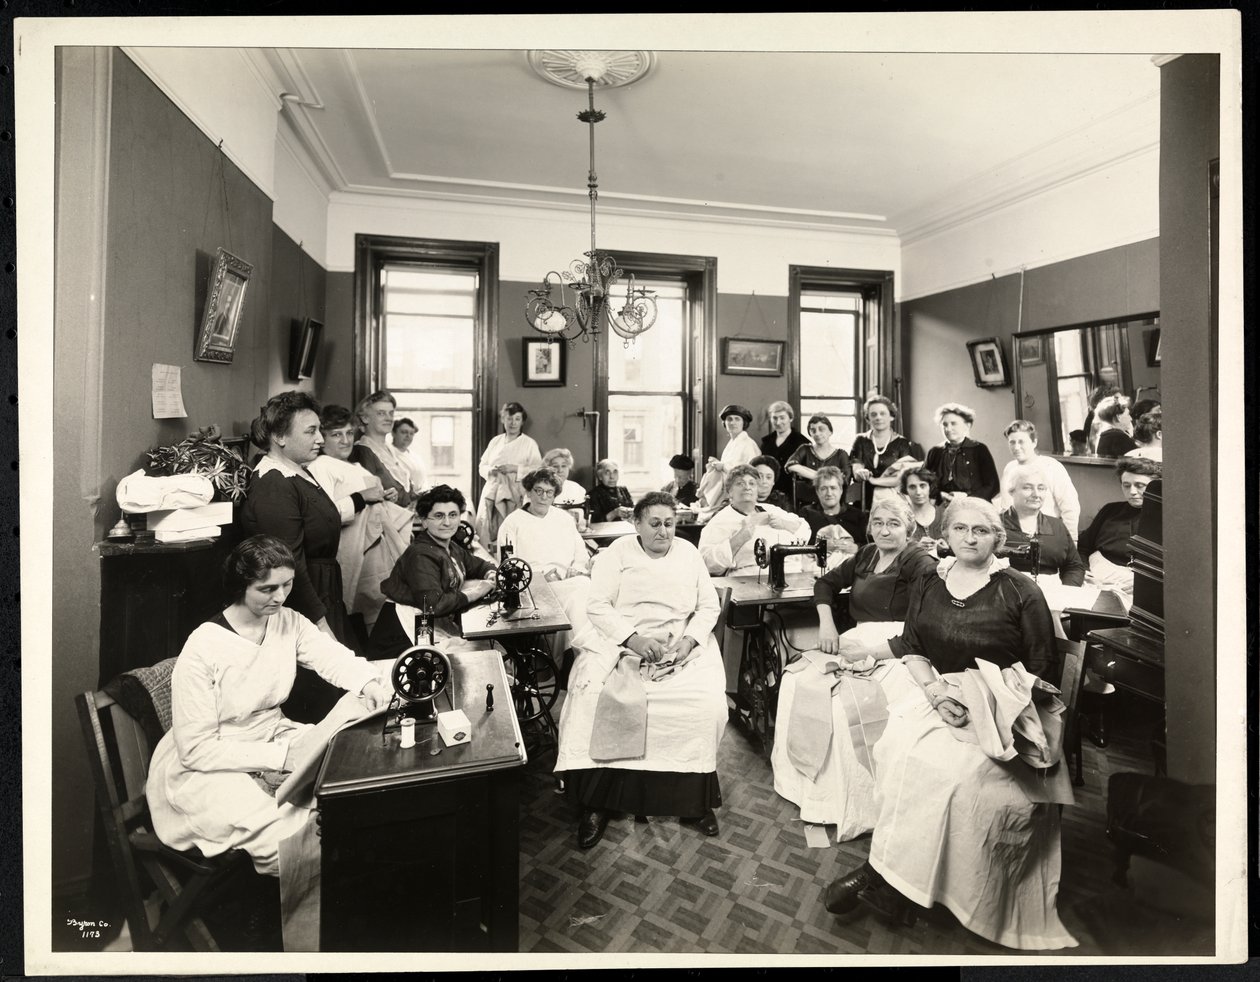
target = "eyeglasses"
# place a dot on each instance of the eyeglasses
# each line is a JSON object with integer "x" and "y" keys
{"x": 543, "y": 492}
{"x": 745, "y": 485}
{"x": 892, "y": 523}
{"x": 979, "y": 531}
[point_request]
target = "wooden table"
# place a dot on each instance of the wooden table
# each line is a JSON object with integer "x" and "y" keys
{"x": 420, "y": 851}
{"x": 758, "y": 656}
{"x": 534, "y": 676}
{"x": 602, "y": 533}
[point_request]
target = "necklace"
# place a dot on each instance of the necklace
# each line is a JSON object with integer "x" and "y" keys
{"x": 879, "y": 451}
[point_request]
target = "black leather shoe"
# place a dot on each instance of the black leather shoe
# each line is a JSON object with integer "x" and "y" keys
{"x": 707, "y": 823}
{"x": 591, "y": 827}
{"x": 640, "y": 820}
{"x": 885, "y": 901}
{"x": 841, "y": 896}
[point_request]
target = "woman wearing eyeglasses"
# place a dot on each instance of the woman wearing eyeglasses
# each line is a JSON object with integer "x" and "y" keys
{"x": 954, "y": 825}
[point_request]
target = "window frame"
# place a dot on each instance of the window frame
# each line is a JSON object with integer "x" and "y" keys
{"x": 876, "y": 289}
{"x": 372, "y": 253}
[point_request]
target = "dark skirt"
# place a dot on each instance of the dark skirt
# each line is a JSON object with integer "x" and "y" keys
{"x": 311, "y": 696}
{"x": 685, "y": 794}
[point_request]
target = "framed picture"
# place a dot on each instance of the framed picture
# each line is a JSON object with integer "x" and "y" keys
{"x": 752, "y": 356}
{"x": 1031, "y": 351}
{"x": 988, "y": 361}
{"x": 543, "y": 360}
{"x": 225, "y": 299}
{"x": 1151, "y": 339}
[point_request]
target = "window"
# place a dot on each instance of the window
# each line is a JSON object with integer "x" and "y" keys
{"x": 426, "y": 310}
{"x": 647, "y": 391}
{"x": 840, "y": 339}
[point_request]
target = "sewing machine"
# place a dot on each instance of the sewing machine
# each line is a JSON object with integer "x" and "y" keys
{"x": 774, "y": 556}
{"x": 514, "y": 575}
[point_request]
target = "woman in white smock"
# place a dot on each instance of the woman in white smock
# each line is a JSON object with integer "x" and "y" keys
{"x": 509, "y": 457}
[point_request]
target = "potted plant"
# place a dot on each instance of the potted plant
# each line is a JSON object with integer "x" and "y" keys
{"x": 204, "y": 452}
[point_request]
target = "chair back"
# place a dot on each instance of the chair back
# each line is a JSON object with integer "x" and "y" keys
{"x": 119, "y": 754}
{"x": 1072, "y": 658}
{"x": 724, "y": 600}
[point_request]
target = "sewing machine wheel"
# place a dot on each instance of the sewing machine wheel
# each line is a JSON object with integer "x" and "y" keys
{"x": 421, "y": 672}
{"x": 760, "y": 553}
{"x": 532, "y": 682}
{"x": 515, "y": 574}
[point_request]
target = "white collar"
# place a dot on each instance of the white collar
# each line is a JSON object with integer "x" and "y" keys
{"x": 285, "y": 466}
{"x": 995, "y": 565}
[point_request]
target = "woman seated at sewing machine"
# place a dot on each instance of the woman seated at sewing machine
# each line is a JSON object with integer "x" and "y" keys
{"x": 814, "y": 759}
{"x": 646, "y": 708}
{"x": 726, "y": 543}
{"x": 436, "y": 575}
{"x": 830, "y": 519}
{"x": 1105, "y": 545}
{"x": 1029, "y": 529}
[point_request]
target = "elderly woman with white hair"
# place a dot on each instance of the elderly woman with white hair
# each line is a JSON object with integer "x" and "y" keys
{"x": 726, "y": 542}
{"x": 781, "y": 442}
{"x": 1062, "y": 501}
{"x": 954, "y": 825}
{"x": 965, "y": 466}
{"x": 815, "y": 761}
{"x": 1026, "y": 521}
{"x": 570, "y": 496}
{"x": 608, "y": 500}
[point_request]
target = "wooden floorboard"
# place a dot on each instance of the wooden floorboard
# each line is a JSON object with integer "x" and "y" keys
{"x": 661, "y": 887}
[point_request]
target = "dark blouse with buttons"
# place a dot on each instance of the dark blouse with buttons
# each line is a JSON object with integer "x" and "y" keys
{"x": 875, "y": 596}
{"x": 603, "y": 499}
{"x": 782, "y": 452}
{"x": 1058, "y": 552}
{"x": 968, "y": 467}
{"x": 1004, "y": 622}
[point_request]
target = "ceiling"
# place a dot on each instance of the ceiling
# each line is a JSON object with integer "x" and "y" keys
{"x": 906, "y": 143}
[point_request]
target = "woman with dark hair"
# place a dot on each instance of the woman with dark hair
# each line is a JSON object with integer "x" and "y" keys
{"x": 921, "y": 488}
{"x": 509, "y": 457}
{"x": 1115, "y": 426}
{"x": 373, "y": 452}
{"x": 401, "y": 437}
{"x": 1097, "y": 394}
{"x": 830, "y": 518}
{"x": 739, "y": 449}
{"x": 286, "y": 500}
{"x": 804, "y": 463}
{"x": 781, "y": 442}
{"x": 1105, "y": 546}
{"x": 435, "y": 575}
{"x": 683, "y": 486}
{"x": 768, "y": 492}
{"x": 213, "y": 777}
{"x": 964, "y": 465}
{"x": 646, "y": 709}
{"x": 1148, "y": 432}
{"x": 880, "y": 455}
{"x": 959, "y": 821}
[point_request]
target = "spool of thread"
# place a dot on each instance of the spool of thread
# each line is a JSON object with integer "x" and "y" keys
{"x": 407, "y": 734}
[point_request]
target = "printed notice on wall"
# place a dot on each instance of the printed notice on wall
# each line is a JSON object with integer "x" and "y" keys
{"x": 168, "y": 399}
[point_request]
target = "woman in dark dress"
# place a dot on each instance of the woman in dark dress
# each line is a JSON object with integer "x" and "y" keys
{"x": 1024, "y": 522}
{"x": 830, "y": 518}
{"x": 780, "y": 443}
{"x": 1105, "y": 545}
{"x": 286, "y": 501}
{"x": 768, "y": 474}
{"x": 921, "y": 489}
{"x": 964, "y": 465}
{"x": 954, "y": 825}
{"x": 806, "y": 460}
{"x": 876, "y": 450}
{"x": 608, "y": 500}
{"x": 1115, "y": 426}
{"x": 436, "y": 575}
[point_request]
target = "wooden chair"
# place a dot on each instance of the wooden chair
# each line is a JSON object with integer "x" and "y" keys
{"x": 182, "y": 883}
{"x": 1072, "y": 656}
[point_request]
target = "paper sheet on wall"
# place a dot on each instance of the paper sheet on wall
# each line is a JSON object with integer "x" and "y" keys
{"x": 168, "y": 398}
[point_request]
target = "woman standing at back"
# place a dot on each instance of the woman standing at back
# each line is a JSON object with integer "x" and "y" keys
{"x": 876, "y": 452}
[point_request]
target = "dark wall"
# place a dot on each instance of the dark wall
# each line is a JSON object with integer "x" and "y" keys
{"x": 935, "y": 330}
{"x": 751, "y": 316}
{"x": 335, "y": 370}
{"x": 161, "y": 225}
{"x": 298, "y": 291}
{"x": 1189, "y": 140}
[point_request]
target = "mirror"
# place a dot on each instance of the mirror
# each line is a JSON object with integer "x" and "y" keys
{"x": 1057, "y": 370}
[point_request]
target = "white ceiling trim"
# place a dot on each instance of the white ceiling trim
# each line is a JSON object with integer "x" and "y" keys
{"x": 702, "y": 211}
{"x": 369, "y": 109}
{"x": 291, "y": 141}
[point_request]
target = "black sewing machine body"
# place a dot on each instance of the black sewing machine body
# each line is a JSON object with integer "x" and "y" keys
{"x": 1028, "y": 553}
{"x": 775, "y": 555}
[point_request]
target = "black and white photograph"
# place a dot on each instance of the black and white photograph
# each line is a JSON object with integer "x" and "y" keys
{"x": 399, "y": 649}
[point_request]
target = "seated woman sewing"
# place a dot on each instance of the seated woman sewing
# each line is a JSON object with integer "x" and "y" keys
{"x": 609, "y": 501}
{"x": 816, "y": 763}
{"x": 1105, "y": 546}
{"x": 829, "y": 518}
{"x": 726, "y": 543}
{"x": 1026, "y": 523}
{"x": 646, "y": 705}
{"x": 436, "y": 575}
{"x": 958, "y": 823}
{"x": 213, "y": 777}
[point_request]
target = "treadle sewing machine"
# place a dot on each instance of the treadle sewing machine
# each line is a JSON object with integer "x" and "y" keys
{"x": 775, "y": 555}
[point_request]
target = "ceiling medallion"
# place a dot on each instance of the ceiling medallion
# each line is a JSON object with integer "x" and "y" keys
{"x": 609, "y": 69}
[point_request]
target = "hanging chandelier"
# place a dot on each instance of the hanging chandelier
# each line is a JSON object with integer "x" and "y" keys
{"x": 587, "y": 287}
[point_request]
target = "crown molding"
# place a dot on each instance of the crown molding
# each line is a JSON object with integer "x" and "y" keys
{"x": 369, "y": 110}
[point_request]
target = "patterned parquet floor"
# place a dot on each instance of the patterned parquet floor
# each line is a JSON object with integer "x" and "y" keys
{"x": 662, "y": 887}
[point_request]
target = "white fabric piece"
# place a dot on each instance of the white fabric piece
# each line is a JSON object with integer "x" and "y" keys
{"x": 225, "y": 702}
{"x": 843, "y": 793}
{"x": 1063, "y": 502}
{"x": 954, "y": 827}
{"x": 715, "y": 541}
{"x": 1105, "y": 574}
{"x": 658, "y": 598}
{"x": 340, "y": 479}
{"x": 138, "y": 493}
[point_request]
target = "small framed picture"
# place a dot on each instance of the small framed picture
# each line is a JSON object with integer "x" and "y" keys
{"x": 225, "y": 299}
{"x": 988, "y": 361}
{"x": 1031, "y": 351}
{"x": 752, "y": 356}
{"x": 1151, "y": 338}
{"x": 543, "y": 360}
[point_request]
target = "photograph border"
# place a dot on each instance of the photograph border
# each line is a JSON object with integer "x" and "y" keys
{"x": 208, "y": 349}
{"x": 975, "y": 349}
